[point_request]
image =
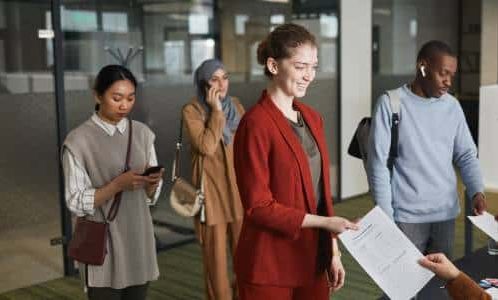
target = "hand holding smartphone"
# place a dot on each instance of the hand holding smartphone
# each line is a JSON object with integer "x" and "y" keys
{"x": 152, "y": 170}
{"x": 211, "y": 94}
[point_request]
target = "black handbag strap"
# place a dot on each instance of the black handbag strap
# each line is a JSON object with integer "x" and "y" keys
{"x": 111, "y": 215}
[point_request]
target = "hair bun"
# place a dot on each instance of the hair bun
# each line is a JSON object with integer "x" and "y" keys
{"x": 262, "y": 52}
{"x": 281, "y": 42}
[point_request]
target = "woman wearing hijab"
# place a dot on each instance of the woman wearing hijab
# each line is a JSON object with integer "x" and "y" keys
{"x": 211, "y": 119}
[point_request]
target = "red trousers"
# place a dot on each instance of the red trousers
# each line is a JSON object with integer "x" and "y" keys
{"x": 319, "y": 290}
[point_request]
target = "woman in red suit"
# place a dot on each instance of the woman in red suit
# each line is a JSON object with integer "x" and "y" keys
{"x": 287, "y": 246}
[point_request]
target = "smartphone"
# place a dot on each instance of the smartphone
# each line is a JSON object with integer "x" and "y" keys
{"x": 205, "y": 86}
{"x": 152, "y": 170}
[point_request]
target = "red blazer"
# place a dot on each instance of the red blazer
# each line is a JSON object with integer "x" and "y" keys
{"x": 275, "y": 186}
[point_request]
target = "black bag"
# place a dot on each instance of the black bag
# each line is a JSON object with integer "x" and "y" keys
{"x": 358, "y": 147}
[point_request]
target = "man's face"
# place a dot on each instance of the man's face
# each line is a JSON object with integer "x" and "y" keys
{"x": 440, "y": 74}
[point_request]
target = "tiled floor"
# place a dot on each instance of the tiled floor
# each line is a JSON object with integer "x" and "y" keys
{"x": 181, "y": 268}
{"x": 26, "y": 257}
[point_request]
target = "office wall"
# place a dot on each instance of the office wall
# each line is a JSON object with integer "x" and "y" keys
{"x": 470, "y": 52}
{"x": 404, "y": 25}
{"x": 489, "y": 42}
{"x": 488, "y": 111}
{"x": 356, "y": 68}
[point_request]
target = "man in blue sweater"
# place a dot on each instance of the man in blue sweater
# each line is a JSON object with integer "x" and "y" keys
{"x": 421, "y": 193}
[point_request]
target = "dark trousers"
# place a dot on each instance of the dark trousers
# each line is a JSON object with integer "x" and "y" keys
{"x": 431, "y": 237}
{"x": 136, "y": 292}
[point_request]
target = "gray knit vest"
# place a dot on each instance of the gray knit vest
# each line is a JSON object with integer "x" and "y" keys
{"x": 131, "y": 258}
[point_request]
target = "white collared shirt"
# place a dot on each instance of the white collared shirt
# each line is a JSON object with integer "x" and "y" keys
{"x": 80, "y": 194}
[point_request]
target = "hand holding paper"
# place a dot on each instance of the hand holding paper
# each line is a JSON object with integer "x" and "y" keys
{"x": 387, "y": 255}
{"x": 487, "y": 223}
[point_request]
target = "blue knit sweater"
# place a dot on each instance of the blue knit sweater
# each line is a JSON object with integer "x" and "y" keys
{"x": 434, "y": 139}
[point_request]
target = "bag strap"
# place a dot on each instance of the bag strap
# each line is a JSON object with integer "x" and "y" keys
{"x": 176, "y": 163}
{"x": 117, "y": 198}
{"x": 395, "y": 102}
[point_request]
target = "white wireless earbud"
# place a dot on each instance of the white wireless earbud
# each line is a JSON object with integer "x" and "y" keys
{"x": 422, "y": 70}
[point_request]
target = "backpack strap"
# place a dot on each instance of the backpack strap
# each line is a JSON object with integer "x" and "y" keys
{"x": 395, "y": 101}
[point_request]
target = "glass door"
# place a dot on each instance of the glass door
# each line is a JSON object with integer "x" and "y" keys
{"x": 30, "y": 210}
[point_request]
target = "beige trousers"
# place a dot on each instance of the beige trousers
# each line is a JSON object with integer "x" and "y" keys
{"x": 214, "y": 241}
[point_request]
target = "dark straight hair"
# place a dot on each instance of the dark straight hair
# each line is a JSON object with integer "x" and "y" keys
{"x": 108, "y": 75}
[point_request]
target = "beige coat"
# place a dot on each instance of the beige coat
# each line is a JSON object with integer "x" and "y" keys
{"x": 205, "y": 133}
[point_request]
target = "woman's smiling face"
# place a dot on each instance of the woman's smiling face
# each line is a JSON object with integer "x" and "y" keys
{"x": 294, "y": 74}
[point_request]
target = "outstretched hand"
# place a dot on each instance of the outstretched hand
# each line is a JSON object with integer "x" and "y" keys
{"x": 440, "y": 265}
{"x": 339, "y": 224}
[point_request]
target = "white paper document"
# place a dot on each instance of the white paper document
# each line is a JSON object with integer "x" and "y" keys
{"x": 493, "y": 292}
{"x": 487, "y": 223}
{"x": 387, "y": 255}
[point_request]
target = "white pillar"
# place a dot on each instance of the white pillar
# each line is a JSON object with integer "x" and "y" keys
{"x": 489, "y": 42}
{"x": 356, "y": 87}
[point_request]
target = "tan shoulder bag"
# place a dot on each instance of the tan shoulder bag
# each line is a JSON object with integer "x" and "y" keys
{"x": 186, "y": 199}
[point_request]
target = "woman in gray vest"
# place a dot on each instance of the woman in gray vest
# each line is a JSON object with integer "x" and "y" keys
{"x": 93, "y": 159}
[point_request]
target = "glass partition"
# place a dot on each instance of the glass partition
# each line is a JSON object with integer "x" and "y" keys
{"x": 400, "y": 28}
{"x": 30, "y": 211}
{"x": 165, "y": 41}
{"x": 161, "y": 42}
{"x": 244, "y": 24}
